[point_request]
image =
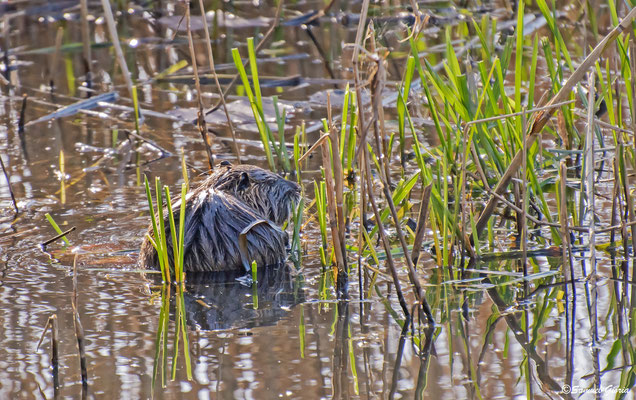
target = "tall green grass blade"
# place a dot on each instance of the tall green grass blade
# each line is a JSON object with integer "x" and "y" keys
{"x": 255, "y": 104}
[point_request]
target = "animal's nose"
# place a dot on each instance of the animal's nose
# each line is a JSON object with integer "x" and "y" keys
{"x": 294, "y": 186}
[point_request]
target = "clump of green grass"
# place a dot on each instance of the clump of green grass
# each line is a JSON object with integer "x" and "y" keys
{"x": 171, "y": 266}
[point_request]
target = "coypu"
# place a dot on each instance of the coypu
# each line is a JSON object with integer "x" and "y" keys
{"x": 231, "y": 199}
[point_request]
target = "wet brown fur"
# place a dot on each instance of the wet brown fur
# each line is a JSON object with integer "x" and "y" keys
{"x": 228, "y": 201}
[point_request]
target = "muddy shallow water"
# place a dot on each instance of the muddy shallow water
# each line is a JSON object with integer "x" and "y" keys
{"x": 300, "y": 342}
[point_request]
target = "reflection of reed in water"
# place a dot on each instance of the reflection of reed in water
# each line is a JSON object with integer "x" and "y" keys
{"x": 218, "y": 301}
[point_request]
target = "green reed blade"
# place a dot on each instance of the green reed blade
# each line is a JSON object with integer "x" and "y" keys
{"x": 283, "y": 156}
{"x": 184, "y": 169}
{"x": 184, "y": 330}
{"x": 402, "y": 108}
{"x": 157, "y": 242}
{"x": 343, "y": 128}
{"x": 353, "y": 123}
{"x": 162, "y": 229}
{"x": 173, "y": 231}
{"x": 519, "y": 64}
{"x": 302, "y": 331}
{"x": 352, "y": 363}
{"x": 254, "y": 104}
{"x": 533, "y": 71}
{"x": 176, "y": 337}
{"x": 254, "y": 70}
{"x": 135, "y": 100}
{"x": 180, "y": 273}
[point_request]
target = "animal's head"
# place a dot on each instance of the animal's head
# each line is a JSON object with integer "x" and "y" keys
{"x": 269, "y": 194}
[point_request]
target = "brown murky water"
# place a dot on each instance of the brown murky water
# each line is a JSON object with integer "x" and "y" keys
{"x": 298, "y": 344}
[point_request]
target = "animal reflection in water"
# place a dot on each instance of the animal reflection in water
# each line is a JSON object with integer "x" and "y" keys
{"x": 215, "y": 301}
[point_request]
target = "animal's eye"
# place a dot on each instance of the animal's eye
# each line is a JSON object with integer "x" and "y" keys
{"x": 244, "y": 182}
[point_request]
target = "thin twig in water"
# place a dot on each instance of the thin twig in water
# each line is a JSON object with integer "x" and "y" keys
{"x": 58, "y": 237}
{"x": 338, "y": 177}
{"x": 216, "y": 81}
{"x": 200, "y": 115}
{"x": 313, "y": 147}
{"x": 79, "y": 329}
{"x": 114, "y": 37}
{"x": 421, "y": 223}
{"x": 589, "y": 168}
{"x": 6, "y": 176}
{"x": 331, "y": 207}
{"x": 256, "y": 49}
{"x": 56, "y": 56}
{"x": 563, "y": 220}
{"x": 379, "y": 130}
{"x": 86, "y": 44}
{"x": 22, "y": 113}
{"x": 55, "y": 364}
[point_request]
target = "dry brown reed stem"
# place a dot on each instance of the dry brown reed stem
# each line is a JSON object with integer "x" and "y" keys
{"x": 114, "y": 37}
{"x": 55, "y": 364}
{"x": 524, "y": 200}
{"x": 331, "y": 208}
{"x": 338, "y": 176}
{"x": 203, "y": 130}
{"x": 563, "y": 209}
{"x": 362, "y": 209}
{"x": 86, "y": 41}
{"x": 604, "y": 124}
{"x": 256, "y": 50}
{"x": 417, "y": 288}
{"x": 56, "y": 55}
{"x": 566, "y": 246}
{"x": 615, "y": 201}
{"x": 6, "y": 177}
{"x": 79, "y": 329}
{"x": 314, "y": 146}
{"x": 377, "y": 88}
{"x": 364, "y": 154}
{"x": 589, "y": 167}
{"x": 384, "y": 173}
{"x": 360, "y": 32}
{"x": 421, "y": 223}
{"x": 629, "y": 204}
{"x": 543, "y": 117}
{"x": 216, "y": 81}
{"x": 21, "y": 120}
{"x": 6, "y": 22}
{"x": 632, "y": 62}
{"x": 630, "y": 201}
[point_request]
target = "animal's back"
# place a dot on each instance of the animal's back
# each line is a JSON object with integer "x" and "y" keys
{"x": 232, "y": 199}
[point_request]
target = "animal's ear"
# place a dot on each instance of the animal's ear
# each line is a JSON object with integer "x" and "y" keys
{"x": 244, "y": 181}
